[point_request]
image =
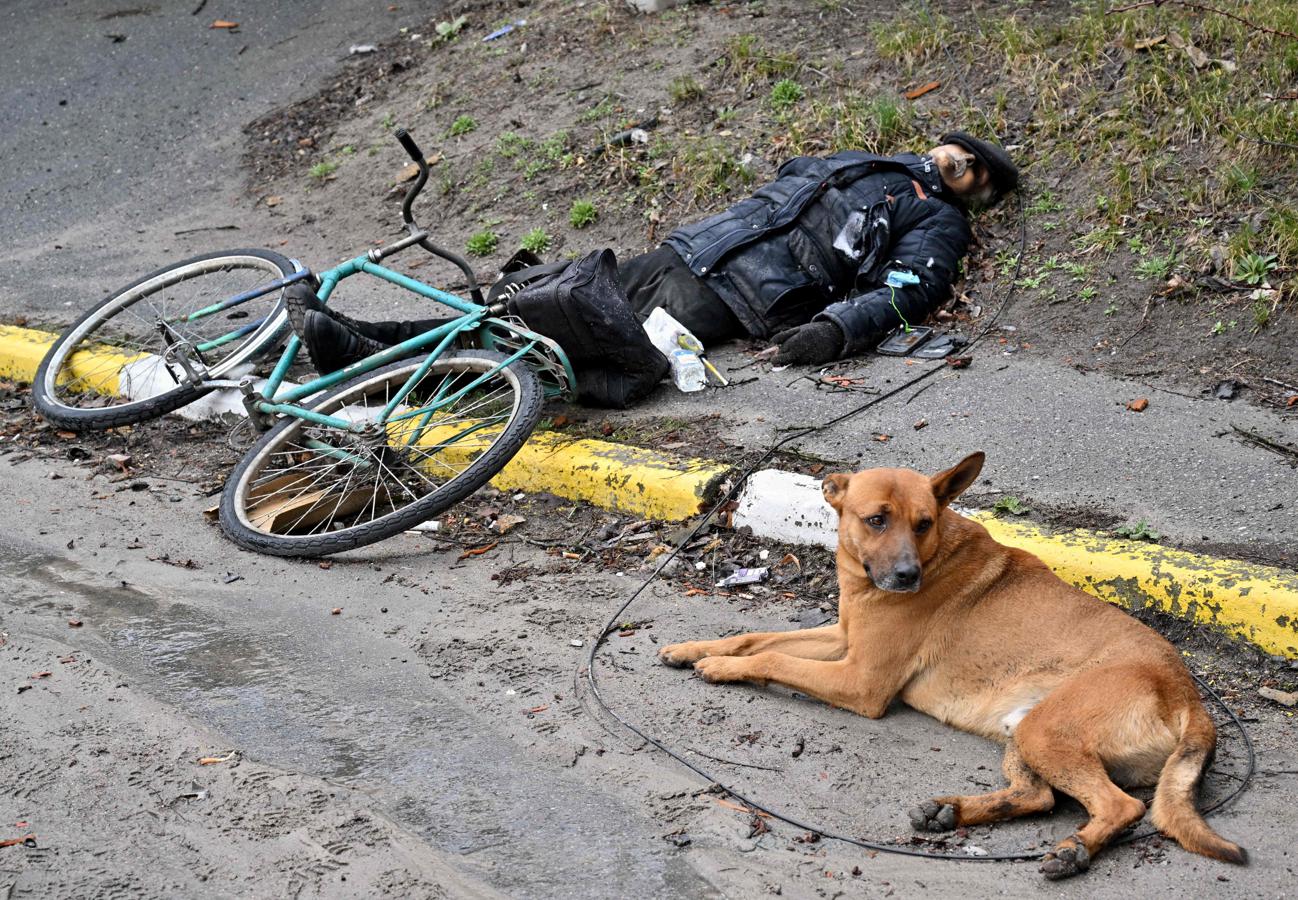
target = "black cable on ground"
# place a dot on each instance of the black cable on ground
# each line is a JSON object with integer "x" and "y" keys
{"x": 611, "y": 625}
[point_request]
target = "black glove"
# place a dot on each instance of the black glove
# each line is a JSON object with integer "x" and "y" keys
{"x": 810, "y": 344}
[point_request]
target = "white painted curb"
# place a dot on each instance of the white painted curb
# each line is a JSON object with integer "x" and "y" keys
{"x": 787, "y": 507}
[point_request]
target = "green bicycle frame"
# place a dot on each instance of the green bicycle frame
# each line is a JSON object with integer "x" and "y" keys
{"x": 437, "y": 341}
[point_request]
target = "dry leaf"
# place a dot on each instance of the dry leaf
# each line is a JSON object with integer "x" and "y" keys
{"x": 411, "y": 170}
{"x": 922, "y": 90}
{"x": 274, "y": 200}
{"x": 505, "y": 523}
{"x": 1150, "y": 42}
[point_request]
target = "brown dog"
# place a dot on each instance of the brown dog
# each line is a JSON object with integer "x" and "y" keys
{"x": 986, "y": 638}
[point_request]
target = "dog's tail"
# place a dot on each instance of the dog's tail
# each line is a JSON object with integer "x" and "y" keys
{"x": 1173, "y": 811}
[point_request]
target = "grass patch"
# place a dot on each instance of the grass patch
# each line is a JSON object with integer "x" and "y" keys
{"x": 482, "y": 243}
{"x": 582, "y": 214}
{"x": 536, "y": 240}
{"x": 785, "y": 93}
{"x": 323, "y": 169}
{"x": 462, "y": 125}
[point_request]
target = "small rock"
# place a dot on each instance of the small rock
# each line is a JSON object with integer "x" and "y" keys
{"x": 576, "y": 643}
{"x": 1284, "y": 698}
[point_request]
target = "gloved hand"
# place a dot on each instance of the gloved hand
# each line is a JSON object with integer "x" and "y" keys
{"x": 810, "y": 344}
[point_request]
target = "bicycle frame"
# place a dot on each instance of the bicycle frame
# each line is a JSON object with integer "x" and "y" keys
{"x": 475, "y": 320}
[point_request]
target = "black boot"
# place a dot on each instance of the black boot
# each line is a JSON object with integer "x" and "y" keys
{"x": 332, "y": 345}
{"x": 300, "y": 299}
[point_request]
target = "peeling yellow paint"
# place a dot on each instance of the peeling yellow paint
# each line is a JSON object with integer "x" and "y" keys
{"x": 22, "y": 349}
{"x": 613, "y": 476}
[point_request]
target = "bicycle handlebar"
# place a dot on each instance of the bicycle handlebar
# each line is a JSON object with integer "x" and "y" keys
{"x": 408, "y": 144}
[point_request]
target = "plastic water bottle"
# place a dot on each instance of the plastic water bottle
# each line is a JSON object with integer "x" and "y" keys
{"x": 688, "y": 371}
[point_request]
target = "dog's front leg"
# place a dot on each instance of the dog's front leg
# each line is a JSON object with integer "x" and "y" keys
{"x": 826, "y": 642}
{"x": 844, "y": 683}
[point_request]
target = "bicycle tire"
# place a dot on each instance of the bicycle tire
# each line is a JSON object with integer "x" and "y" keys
{"x": 254, "y": 485}
{"x": 55, "y": 384}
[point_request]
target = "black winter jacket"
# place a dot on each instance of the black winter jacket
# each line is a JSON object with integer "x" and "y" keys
{"x": 820, "y": 240}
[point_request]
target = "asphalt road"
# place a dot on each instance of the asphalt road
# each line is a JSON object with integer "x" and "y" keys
{"x": 120, "y": 116}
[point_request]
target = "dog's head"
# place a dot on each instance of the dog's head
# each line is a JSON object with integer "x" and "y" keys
{"x": 888, "y": 519}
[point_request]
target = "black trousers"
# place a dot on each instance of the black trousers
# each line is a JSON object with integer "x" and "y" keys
{"x": 660, "y": 278}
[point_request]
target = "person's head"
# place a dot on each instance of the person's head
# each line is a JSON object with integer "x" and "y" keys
{"x": 978, "y": 172}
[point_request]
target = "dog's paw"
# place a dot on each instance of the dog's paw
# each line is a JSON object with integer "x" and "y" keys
{"x": 933, "y": 816}
{"x": 1069, "y": 858}
{"x": 720, "y": 669}
{"x": 678, "y": 656}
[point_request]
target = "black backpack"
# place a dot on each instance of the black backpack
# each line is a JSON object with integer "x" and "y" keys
{"x": 581, "y": 306}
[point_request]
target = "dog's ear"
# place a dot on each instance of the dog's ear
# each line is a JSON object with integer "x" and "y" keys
{"x": 834, "y": 488}
{"x": 952, "y": 483}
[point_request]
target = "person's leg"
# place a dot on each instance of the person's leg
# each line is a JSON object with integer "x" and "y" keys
{"x": 660, "y": 278}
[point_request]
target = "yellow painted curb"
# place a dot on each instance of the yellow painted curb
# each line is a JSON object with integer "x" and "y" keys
{"x": 21, "y": 351}
{"x": 613, "y": 476}
{"x": 1257, "y": 603}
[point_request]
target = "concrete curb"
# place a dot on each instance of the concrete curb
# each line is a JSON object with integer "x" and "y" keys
{"x": 1257, "y": 603}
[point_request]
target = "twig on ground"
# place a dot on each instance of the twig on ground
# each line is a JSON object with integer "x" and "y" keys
{"x": 1265, "y": 443}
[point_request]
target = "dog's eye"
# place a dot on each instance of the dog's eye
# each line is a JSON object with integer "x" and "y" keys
{"x": 923, "y": 525}
{"x": 876, "y": 521}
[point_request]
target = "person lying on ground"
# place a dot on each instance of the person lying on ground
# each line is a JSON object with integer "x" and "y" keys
{"x": 824, "y": 261}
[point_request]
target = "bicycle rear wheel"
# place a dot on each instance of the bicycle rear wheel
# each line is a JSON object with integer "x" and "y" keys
{"x": 109, "y": 368}
{"x": 308, "y": 490}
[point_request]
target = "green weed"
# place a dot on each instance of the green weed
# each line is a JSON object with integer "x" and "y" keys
{"x": 1156, "y": 266}
{"x": 482, "y": 243}
{"x": 462, "y": 125}
{"x": 786, "y": 93}
{"x": 323, "y": 169}
{"x": 1140, "y": 531}
{"x": 536, "y": 240}
{"x": 449, "y": 30}
{"x": 1012, "y": 505}
{"x": 1254, "y": 268}
{"x": 582, "y": 214}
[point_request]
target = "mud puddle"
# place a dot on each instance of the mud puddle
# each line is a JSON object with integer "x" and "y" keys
{"x": 356, "y": 709}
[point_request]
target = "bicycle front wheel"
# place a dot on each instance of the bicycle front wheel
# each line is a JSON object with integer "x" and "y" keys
{"x": 308, "y": 489}
{"x": 110, "y": 367}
